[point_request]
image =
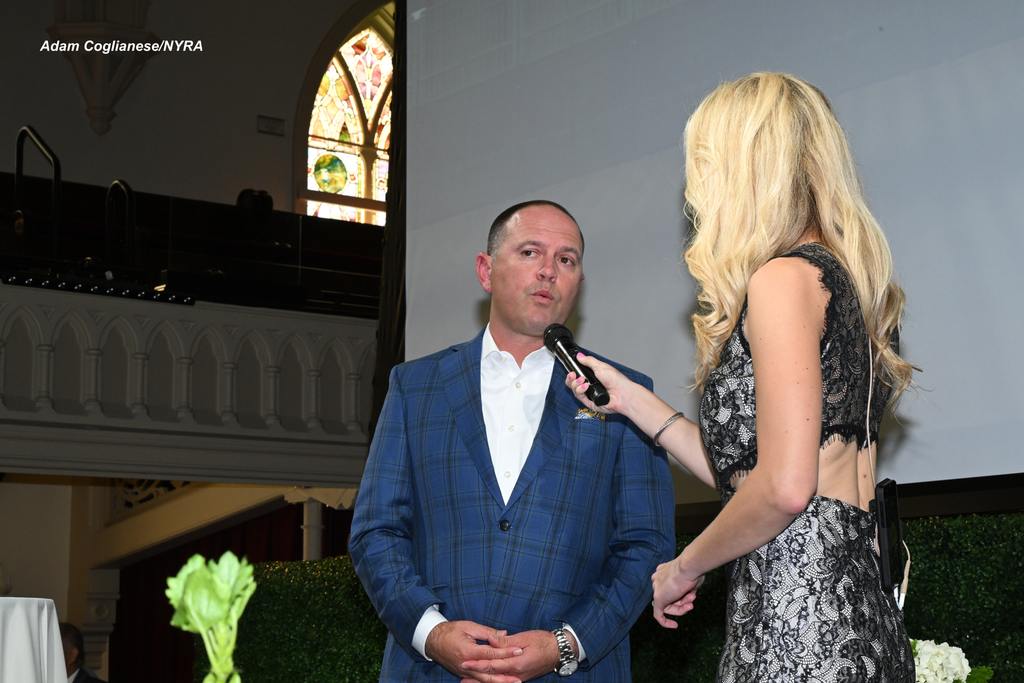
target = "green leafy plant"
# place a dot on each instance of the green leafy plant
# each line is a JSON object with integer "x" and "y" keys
{"x": 208, "y": 599}
{"x": 980, "y": 674}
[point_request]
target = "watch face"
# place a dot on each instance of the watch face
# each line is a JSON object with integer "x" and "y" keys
{"x": 568, "y": 669}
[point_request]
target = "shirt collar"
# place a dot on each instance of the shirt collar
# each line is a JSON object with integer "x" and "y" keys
{"x": 488, "y": 345}
{"x": 541, "y": 357}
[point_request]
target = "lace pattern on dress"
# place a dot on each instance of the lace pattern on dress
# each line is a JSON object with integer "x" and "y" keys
{"x": 727, "y": 414}
{"x": 808, "y": 605}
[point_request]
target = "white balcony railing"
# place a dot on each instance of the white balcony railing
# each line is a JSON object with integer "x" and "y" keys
{"x": 117, "y": 387}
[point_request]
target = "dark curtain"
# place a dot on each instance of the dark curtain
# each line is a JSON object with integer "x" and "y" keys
{"x": 144, "y": 646}
{"x": 391, "y": 328}
{"x": 337, "y": 527}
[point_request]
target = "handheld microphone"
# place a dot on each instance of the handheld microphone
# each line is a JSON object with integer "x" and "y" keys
{"x": 558, "y": 340}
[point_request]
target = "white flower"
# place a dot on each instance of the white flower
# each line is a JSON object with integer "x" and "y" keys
{"x": 940, "y": 663}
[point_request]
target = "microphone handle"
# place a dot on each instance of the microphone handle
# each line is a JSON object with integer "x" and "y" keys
{"x": 596, "y": 391}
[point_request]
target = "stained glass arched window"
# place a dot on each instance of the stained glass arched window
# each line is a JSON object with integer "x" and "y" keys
{"x": 350, "y": 132}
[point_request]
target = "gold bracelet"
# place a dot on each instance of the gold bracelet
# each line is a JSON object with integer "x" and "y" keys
{"x": 665, "y": 425}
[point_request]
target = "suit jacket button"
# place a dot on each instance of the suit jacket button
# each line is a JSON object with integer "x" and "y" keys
{"x": 504, "y": 525}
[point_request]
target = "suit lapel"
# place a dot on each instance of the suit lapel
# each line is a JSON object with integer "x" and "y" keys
{"x": 559, "y": 408}
{"x": 460, "y": 376}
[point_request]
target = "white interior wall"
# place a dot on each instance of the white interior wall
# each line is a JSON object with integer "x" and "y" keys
{"x": 35, "y": 532}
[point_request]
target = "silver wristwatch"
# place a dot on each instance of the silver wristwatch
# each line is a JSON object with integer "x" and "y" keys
{"x": 567, "y": 663}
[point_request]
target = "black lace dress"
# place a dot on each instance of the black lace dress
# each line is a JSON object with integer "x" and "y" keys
{"x": 808, "y": 605}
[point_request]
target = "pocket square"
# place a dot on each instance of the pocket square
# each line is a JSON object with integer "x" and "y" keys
{"x": 588, "y": 414}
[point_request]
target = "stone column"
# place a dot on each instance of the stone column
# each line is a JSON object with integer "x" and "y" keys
{"x": 183, "y": 383}
{"x": 311, "y": 409}
{"x": 312, "y": 529}
{"x": 139, "y": 382}
{"x": 101, "y": 610}
{"x": 3, "y": 371}
{"x": 228, "y": 410}
{"x": 91, "y": 382}
{"x": 350, "y": 401}
{"x": 271, "y": 395}
{"x": 44, "y": 377}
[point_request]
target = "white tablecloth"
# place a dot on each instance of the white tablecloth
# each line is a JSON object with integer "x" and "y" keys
{"x": 30, "y": 649}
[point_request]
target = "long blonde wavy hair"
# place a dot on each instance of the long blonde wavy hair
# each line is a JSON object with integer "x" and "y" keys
{"x": 766, "y": 164}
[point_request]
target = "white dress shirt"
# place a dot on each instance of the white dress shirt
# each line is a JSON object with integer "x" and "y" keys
{"x": 512, "y": 399}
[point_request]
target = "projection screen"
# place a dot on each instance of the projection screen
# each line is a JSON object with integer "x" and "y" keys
{"x": 584, "y": 103}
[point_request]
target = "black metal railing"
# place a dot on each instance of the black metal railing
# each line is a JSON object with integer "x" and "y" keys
{"x": 129, "y": 226}
{"x": 29, "y": 133}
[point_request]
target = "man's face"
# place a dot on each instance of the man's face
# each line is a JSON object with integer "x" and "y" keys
{"x": 535, "y": 273}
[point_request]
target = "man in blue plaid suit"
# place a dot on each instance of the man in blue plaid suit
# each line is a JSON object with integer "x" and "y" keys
{"x": 503, "y": 532}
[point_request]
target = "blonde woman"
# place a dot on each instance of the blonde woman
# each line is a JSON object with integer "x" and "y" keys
{"x": 796, "y": 299}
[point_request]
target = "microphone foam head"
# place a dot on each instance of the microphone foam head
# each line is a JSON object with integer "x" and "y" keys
{"x": 556, "y": 332}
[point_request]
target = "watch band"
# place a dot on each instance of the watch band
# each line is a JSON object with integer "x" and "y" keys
{"x": 566, "y": 656}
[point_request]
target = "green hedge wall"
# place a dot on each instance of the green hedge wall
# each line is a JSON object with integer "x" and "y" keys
{"x": 307, "y": 621}
{"x": 967, "y": 588}
{"x": 311, "y": 621}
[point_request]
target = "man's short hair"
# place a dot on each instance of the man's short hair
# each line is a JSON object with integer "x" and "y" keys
{"x": 497, "y": 232}
{"x": 70, "y": 634}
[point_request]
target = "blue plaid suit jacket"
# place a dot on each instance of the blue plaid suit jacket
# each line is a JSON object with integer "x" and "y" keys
{"x": 591, "y": 516}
